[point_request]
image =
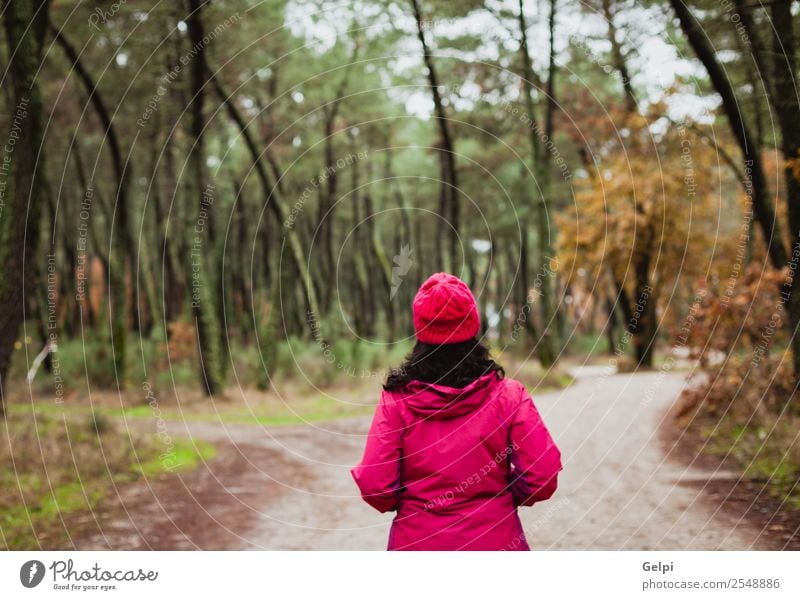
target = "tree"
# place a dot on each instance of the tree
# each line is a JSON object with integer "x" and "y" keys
{"x": 330, "y": 111}
{"x": 643, "y": 227}
{"x": 754, "y": 168}
{"x": 618, "y": 57}
{"x": 125, "y": 248}
{"x": 201, "y": 262}
{"x": 787, "y": 107}
{"x": 25, "y": 23}
{"x": 547, "y": 344}
{"x": 448, "y": 195}
{"x": 274, "y": 202}
{"x": 778, "y": 71}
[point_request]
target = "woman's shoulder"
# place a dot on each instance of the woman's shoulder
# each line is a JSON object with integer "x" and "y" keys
{"x": 512, "y": 392}
{"x": 513, "y": 385}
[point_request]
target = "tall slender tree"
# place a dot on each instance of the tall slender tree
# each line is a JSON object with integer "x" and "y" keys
{"x": 547, "y": 344}
{"x": 751, "y": 153}
{"x": 124, "y": 252}
{"x": 201, "y": 257}
{"x": 22, "y": 170}
{"x": 449, "y": 208}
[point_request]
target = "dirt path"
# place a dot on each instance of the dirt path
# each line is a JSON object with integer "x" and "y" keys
{"x": 290, "y": 487}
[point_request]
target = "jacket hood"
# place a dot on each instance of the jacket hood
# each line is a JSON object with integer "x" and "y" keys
{"x": 444, "y": 402}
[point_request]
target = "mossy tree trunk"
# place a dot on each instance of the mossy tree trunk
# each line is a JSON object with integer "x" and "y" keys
{"x": 547, "y": 344}
{"x": 200, "y": 262}
{"x": 21, "y": 170}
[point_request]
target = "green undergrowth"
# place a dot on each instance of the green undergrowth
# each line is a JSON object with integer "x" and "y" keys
{"x": 61, "y": 467}
{"x": 751, "y": 421}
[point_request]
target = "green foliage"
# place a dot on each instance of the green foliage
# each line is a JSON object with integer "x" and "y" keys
{"x": 749, "y": 413}
{"x": 343, "y": 359}
{"x": 184, "y": 455}
{"x": 589, "y": 344}
{"x": 99, "y": 423}
{"x": 48, "y": 487}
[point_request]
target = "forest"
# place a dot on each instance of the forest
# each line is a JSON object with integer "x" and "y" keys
{"x": 220, "y": 211}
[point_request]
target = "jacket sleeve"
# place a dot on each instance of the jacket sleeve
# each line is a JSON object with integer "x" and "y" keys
{"x": 378, "y": 475}
{"x": 535, "y": 458}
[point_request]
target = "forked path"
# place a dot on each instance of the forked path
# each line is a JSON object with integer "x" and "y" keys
{"x": 290, "y": 487}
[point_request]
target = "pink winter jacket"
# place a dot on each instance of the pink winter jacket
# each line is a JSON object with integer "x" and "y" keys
{"x": 455, "y": 463}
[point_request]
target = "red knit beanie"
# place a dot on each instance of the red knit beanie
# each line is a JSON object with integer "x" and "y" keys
{"x": 445, "y": 311}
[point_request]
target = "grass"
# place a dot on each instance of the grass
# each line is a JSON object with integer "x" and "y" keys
{"x": 322, "y": 409}
{"x": 273, "y": 408}
{"x": 588, "y": 345}
{"x": 753, "y": 423}
{"x": 531, "y": 374}
{"x": 175, "y": 363}
{"x": 62, "y": 465}
{"x": 768, "y": 453}
{"x": 66, "y": 458}
{"x": 185, "y": 455}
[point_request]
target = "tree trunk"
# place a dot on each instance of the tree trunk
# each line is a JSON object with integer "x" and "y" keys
{"x": 86, "y": 190}
{"x": 526, "y": 306}
{"x": 405, "y": 237}
{"x": 754, "y": 169}
{"x": 328, "y": 197}
{"x": 384, "y": 266}
{"x": 21, "y": 175}
{"x": 618, "y": 58}
{"x": 788, "y": 109}
{"x": 201, "y": 262}
{"x": 485, "y": 286}
{"x": 285, "y": 222}
{"x": 449, "y": 199}
{"x": 242, "y": 291}
{"x": 643, "y": 323}
{"x": 125, "y": 249}
{"x": 173, "y": 287}
{"x": 547, "y": 344}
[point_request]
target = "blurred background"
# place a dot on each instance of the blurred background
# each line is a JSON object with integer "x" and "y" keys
{"x": 214, "y": 216}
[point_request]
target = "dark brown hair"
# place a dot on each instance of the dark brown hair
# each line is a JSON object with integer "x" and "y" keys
{"x": 453, "y": 365}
